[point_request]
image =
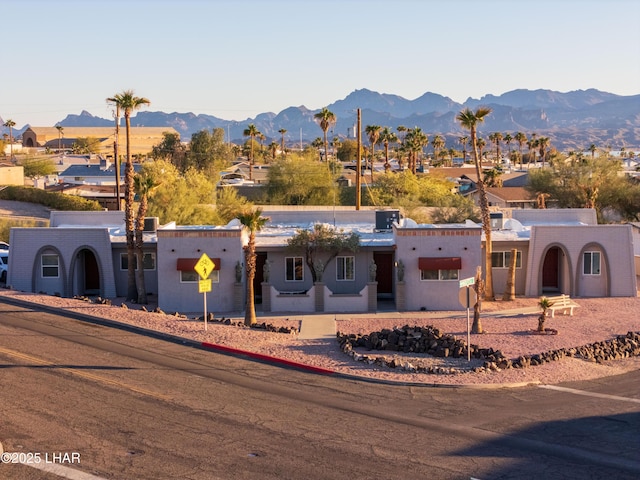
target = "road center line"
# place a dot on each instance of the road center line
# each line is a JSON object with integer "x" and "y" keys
{"x": 589, "y": 394}
{"x": 79, "y": 373}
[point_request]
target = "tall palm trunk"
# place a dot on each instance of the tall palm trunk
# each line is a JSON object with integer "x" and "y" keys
{"x": 132, "y": 291}
{"x": 250, "y": 262}
{"x": 116, "y": 158}
{"x": 139, "y": 252}
{"x": 486, "y": 220}
{"x": 510, "y": 292}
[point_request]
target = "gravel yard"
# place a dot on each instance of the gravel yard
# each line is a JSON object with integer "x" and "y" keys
{"x": 596, "y": 319}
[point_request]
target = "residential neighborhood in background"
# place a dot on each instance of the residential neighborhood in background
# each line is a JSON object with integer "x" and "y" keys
{"x": 413, "y": 199}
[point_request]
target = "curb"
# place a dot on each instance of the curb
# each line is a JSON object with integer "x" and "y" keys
{"x": 258, "y": 357}
{"x": 266, "y": 358}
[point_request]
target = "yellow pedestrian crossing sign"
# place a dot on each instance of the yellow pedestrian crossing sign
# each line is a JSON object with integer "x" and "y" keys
{"x": 205, "y": 266}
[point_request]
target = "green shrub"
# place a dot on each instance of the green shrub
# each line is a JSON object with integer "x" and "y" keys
{"x": 7, "y": 224}
{"x": 53, "y": 200}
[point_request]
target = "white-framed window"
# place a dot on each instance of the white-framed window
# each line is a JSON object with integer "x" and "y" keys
{"x": 294, "y": 269}
{"x": 148, "y": 261}
{"x": 50, "y": 265}
{"x": 439, "y": 275}
{"x": 190, "y": 276}
{"x": 503, "y": 259}
{"x": 591, "y": 263}
{"x": 345, "y": 268}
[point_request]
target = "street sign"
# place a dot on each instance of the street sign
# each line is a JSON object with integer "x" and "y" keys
{"x": 467, "y": 297}
{"x": 467, "y": 282}
{"x": 205, "y": 266}
{"x": 204, "y": 286}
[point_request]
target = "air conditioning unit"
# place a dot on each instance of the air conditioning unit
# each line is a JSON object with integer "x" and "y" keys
{"x": 496, "y": 220}
{"x": 385, "y": 219}
{"x": 150, "y": 224}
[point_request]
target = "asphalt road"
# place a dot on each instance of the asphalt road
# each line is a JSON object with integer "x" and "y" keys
{"x": 132, "y": 406}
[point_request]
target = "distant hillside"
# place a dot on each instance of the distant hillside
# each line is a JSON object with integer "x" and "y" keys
{"x": 572, "y": 120}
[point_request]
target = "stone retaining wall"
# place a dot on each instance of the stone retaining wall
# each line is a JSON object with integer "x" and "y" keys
{"x": 431, "y": 341}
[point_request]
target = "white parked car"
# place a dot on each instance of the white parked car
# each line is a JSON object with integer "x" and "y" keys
{"x": 4, "y": 265}
{"x": 234, "y": 178}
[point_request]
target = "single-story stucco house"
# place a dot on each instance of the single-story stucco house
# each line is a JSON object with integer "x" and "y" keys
{"x": 414, "y": 266}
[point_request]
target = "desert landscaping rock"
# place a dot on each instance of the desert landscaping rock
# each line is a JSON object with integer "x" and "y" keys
{"x": 431, "y": 341}
{"x": 591, "y": 344}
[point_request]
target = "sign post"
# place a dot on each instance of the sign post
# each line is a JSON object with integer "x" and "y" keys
{"x": 204, "y": 267}
{"x": 466, "y": 297}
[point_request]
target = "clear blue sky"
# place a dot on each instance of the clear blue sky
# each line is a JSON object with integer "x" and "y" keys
{"x": 235, "y": 59}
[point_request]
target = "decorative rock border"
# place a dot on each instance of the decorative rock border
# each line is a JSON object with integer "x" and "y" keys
{"x": 210, "y": 317}
{"x": 431, "y": 341}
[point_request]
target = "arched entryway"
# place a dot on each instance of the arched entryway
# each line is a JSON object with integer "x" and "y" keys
{"x": 86, "y": 273}
{"x": 555, "y": 275}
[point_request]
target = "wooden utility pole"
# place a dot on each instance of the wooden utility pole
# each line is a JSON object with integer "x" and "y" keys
{"x": 116, "y": 157}
{"x": 358, "y": 161}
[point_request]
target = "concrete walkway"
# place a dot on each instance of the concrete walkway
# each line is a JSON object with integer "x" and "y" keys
{"x": 314, "y": 327}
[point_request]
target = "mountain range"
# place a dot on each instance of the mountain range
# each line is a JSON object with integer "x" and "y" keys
{"x": 572, "y": 120}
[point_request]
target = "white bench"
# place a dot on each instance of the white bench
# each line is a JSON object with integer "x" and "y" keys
{"x": 563, "y": 303}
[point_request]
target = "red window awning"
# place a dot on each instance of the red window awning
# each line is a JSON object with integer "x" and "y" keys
{"x": 188, "y": 264}
{"x": 439, "y": 263}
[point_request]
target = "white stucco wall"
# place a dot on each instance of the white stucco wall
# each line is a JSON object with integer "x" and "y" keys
{"x": 27, "y": 245}
{"x": 618, "y": 273}
{"x": 443, "y": 241}
{"x": 174, "y": 295}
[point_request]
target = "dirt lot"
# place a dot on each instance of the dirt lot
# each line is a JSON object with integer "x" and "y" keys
{"x": 10, "y": 208}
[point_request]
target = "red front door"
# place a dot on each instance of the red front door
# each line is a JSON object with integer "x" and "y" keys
{"x": 550, "y": 270}
{"x": 384, "y": 273}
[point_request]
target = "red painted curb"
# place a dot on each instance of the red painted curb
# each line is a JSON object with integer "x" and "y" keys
{"x": 266, "y": 358}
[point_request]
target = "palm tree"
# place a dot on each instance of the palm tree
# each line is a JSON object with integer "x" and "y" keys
{"x": 387, "y": 136}
{"x": 451, "y": 152}
{"x": 252, "y": 132}
{"x": 373, "y": 132}
{"x": 402, "y": 131}
{"x": 273, "y": 148}
{"x": 10, "y": 123}
{"x": 521, "y": 139}
{"x": 60, "y": 129}
{"x": 127, "y": 102}
{"x": 531, "y": 145}
{"x": 543, "y": 143}
{"x": 282, "y": 131}
{"x": 496, "y": 138}
{"x": 438, "y": 144}
{"x": 469, "y": 120}
{"x": 326, "y": 120}
{"x": 415, "y": 141}
{"x": 508, "y": 139}
{"x": 481, "y": 144}
{"x": 253, "y": 221}
{"x": 463, "y": 141}
{"x": 143, "y": 185}
{"x": 317, "y": 143}
{"x": 592, "y": 148}
{"x": 336, "y": 143}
